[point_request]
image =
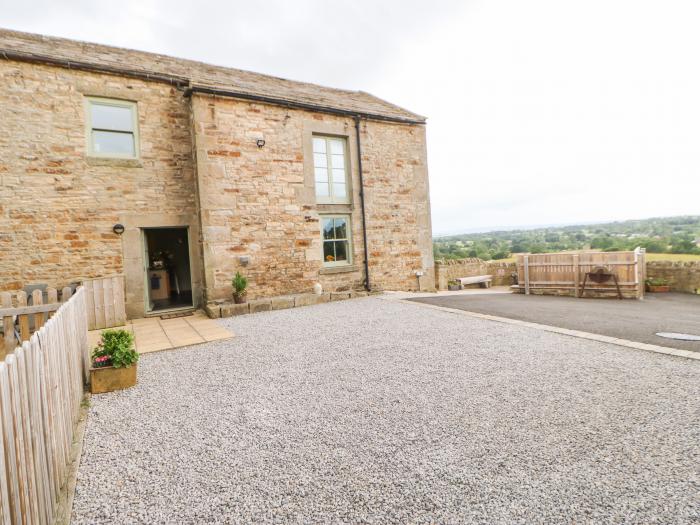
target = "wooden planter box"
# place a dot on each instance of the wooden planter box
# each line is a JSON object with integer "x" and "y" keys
{"x": 662, "y": 288}
{"x": 108, "y": 379}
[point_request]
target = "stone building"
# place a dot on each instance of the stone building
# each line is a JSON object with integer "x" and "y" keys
{"x": 208, "y": 171}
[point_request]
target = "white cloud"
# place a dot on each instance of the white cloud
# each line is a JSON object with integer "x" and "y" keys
{"x": 539, "y": 112}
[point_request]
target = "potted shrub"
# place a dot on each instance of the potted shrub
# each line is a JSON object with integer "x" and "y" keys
{"x": 453, "y": 286}
{"x": 240, "y": 285}
{"x": 113, "y": 362}
{"x": 657, "y": 284}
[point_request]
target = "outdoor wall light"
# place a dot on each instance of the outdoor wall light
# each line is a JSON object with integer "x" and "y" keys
{"x": 260, "y": 142}
{"x": 118, "y": 229}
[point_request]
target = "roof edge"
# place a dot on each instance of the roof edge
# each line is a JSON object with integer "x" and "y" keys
{"x": 194, "y": 88}
{"x": 182, "y": 82}
{"x": 19, "y": 56}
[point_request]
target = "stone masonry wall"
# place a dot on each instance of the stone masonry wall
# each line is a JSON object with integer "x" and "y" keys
{"x": 58, "y": 206}
{"x": 446, "y": 270}
{"x": 682, "y": 276}
{"x": 260, "y": 202}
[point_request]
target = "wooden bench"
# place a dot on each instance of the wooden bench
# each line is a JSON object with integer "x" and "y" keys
{"x": 484, "y": 281}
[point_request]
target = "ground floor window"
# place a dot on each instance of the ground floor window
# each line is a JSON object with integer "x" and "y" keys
{"x": 336, "y": 240}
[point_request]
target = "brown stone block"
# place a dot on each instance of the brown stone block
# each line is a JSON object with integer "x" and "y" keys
{"x": 281, "y": 303}
{"x": 340, "y": 296}
{"x": 229, "y": 310}
{"x": 260, "y": 305}
{"x": 213, "y": 310}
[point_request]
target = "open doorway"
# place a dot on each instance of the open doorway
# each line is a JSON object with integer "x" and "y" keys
{"x": 167, "y": 261}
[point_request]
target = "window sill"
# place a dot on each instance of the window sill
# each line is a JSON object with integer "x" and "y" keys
{"x": 327, "y": 270}
{"x": 114, "y": 162}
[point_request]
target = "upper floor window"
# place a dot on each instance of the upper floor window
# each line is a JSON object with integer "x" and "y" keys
{"x": 330, "y": 170}
{"x": 112, "y": 128}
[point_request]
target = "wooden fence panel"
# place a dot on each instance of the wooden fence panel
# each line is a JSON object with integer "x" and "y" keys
{"x": 564, "y": 273}
{"x": 105, "y": 302}
{"x": 41, "y": 388}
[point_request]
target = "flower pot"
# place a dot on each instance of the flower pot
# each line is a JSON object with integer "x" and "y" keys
{"x": 453, "y": 287}
{"x": 239, "y": 299}
{"x": 658, "y": 288}
{"x": 108, "y": 379}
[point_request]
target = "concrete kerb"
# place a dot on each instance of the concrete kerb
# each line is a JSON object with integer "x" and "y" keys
{"x": 677, "y": 352}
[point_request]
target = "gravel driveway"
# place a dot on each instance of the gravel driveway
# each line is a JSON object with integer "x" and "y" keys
{"x": 373, "y": 411}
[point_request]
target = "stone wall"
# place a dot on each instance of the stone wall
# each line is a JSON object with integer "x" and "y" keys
{"x": 57, "y": 205}
{"x": 446, "y": 270}
{"x": 260, "y": 202}
{"x": 199, "y": 167}
{"x": 682, "y": 276}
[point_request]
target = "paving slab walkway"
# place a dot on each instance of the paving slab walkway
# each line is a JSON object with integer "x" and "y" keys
{"x": 375, "y": 411}
{"x": 152, "y": 334}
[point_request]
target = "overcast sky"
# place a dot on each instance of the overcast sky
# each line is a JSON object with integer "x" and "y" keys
{"x": 540, "y": 111}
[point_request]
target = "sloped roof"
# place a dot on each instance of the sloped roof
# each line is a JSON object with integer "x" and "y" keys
{"x": 63, "y": 52}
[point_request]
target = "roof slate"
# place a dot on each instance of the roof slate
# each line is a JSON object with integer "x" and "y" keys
{"x": 18, "y": 45}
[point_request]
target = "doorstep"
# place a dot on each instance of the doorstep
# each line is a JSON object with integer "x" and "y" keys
{"x": 152, "y": 334}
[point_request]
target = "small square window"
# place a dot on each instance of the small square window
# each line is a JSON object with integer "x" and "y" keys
{"x": 331, "y": 170}
{"x": 336, "y": 236}
{"x": 112, "y": 128}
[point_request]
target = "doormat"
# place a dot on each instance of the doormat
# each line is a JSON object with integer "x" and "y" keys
{"x": 176, "y": 314}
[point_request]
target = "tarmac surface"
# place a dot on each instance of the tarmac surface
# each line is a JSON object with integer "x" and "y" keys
{"x": 627, "y": 319}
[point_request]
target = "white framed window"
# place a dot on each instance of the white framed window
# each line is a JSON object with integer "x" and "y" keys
{"x": 331, "y": 170}
{"x": 336, "y": 237}
{"x": 112, "y": 128}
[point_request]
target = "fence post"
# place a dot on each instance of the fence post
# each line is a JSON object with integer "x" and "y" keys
{"x": 8, "y": 326}
{"x": 577, "y": 275}
{"x": 24, "y": 333}
{"x": 38, "y": 298}
{"x": 527, "y": 274}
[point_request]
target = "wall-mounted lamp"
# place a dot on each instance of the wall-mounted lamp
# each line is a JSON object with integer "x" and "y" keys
{"x": 118, "y": 229}
{"x": 244, "y": 260}
{"x": 260, "y": 142}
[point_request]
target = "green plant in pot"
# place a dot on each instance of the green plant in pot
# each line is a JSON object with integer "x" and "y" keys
{"x": 240, "y": 286}
{"x": 453, "y": 286}
{"x": 657, "y": 284}
{"x": 114, "y": 362}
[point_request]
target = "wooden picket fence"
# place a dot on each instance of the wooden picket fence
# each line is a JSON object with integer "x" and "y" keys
{"x": 29, "y": 318}
{"x": 41, "y": 389}
{"x": 105, "y": 302}
{"x": 564, "y": 273}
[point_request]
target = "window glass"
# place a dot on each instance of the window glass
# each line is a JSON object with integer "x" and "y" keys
{"x": 114, "y": 118}
{"x": 322, "y": 189}
{"x": 319, "y": 145}
{"x": 112, "y": 128}
{"x": 111, "y": 142}
{"x": 330, "y": 169}
{"x": 336, "y": 243}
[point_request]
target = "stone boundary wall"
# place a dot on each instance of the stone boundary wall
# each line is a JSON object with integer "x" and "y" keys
{"x": 681, "y": 276}
{"x": 446, "y": 270}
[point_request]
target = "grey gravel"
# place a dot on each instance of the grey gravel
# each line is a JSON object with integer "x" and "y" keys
{"x": 371, "y": 411}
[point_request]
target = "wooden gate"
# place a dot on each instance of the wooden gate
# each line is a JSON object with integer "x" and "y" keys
{"x": 105, "y": 302}
{"x": 564, "y": 273}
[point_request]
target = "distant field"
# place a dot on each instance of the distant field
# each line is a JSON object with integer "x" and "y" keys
{"x": 672, "y": 257}
{"x": 650, "y": 257}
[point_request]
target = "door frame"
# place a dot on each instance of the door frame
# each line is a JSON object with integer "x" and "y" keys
{"x": 133, "y": 255}
{"x": 147, "y": 296}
